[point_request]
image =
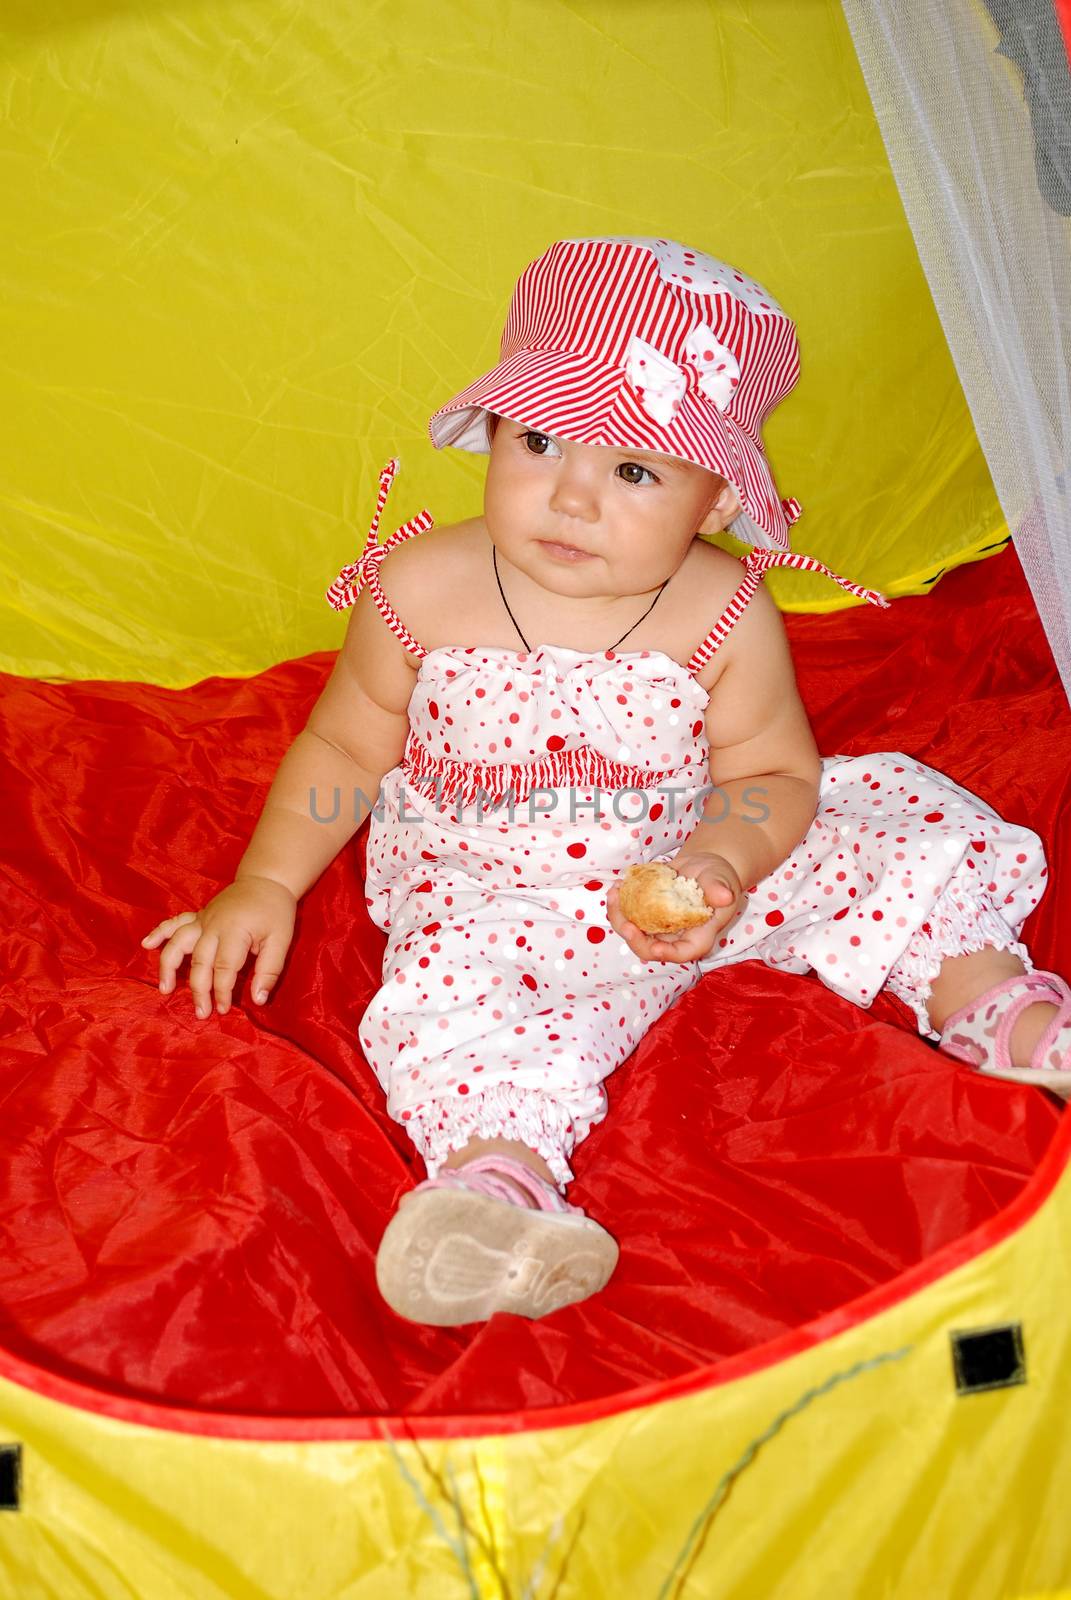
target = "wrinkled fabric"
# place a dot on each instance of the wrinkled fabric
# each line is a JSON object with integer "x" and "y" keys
{"x": 190, "y": 1210}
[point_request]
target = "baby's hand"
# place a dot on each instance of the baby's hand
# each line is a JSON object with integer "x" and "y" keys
{"x": 722, "y": 891}
{"x": 253, "y": 915}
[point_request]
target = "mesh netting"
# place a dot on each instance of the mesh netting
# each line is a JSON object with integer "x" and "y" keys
{"x": 974, "y": 104}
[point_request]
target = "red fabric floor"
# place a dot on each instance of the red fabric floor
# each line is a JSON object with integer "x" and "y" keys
{"x": 190, "y": 1211}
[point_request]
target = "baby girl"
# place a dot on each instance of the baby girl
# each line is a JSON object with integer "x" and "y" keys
{"x": 513, "y": 760}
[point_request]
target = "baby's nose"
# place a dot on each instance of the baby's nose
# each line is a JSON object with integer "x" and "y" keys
{"x": 573, "y": 496}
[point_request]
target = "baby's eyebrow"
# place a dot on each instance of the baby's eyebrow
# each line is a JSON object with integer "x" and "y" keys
{"x": 663, "y": 463}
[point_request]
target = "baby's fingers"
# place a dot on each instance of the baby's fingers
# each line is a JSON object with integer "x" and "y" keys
{"x": 646, "y": 946}
{"x": 230, "y": 956}
{"x": 270, "y": 958}
{"x": 650, "y": 946}
{"x": 617, "y": 919}
{"x": 620, "y": 923}
{"x": 184, "y": 937}
{"x": 201, "y": 972}
{"x": 165, "y": 929}
{"x": 675, "y": 948}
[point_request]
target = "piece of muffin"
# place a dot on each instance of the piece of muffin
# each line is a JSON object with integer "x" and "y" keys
{"x": 660, "y": 901}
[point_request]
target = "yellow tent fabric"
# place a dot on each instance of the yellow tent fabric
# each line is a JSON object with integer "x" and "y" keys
{"x": 249, "y": 247}
{"x": 852, "y": 1467}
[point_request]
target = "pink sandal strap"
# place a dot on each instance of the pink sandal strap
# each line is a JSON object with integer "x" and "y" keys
{"x": 1036, "y": 986}
{"x": 1033, "y": 987}
{"x": 490, "y": 1175}
{"x": 1049, "y": 1037}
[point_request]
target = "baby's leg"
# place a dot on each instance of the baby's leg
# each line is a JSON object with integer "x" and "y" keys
{"x": 492, "y": 1033}
{"x": 515, "y": 1149}
{"x": 963, "y": 973}
{"x": 962, "y": 979}
{"x": 500, "y": 1026}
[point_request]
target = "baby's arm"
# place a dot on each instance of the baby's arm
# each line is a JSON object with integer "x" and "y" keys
{"x": 356, "y": 732}
{"x": 764, "y": 763}
{"x": 765, "y": 769}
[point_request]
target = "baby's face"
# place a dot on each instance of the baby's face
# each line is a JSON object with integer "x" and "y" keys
{"x": 631, "y": 515}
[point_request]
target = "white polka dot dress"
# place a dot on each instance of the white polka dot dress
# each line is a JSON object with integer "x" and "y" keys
{"x": 530, "y": 780}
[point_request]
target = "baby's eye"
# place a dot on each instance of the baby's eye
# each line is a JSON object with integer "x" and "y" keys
{"x": 540, "y": 444}
{"x": 629, "y": 468}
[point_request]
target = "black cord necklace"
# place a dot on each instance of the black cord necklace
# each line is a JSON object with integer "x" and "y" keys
{"x": 516, "y": 624}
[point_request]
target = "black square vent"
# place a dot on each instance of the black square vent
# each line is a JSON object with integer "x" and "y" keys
{"x": 10, "y": 1476}
{"x": 989, "y": 1358}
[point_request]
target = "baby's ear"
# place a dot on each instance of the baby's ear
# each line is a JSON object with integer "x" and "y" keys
{"x": 726, "y": 506}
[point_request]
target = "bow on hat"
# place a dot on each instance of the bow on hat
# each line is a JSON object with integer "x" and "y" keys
{"x": 661, "y": 385}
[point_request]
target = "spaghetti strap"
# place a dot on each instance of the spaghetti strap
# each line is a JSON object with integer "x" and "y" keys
{"x": 365, "y": 570}
{"x": 727, "y": 621}
{"x": 756, "y": 565}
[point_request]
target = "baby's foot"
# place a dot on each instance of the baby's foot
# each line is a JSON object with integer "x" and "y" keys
{"x": 471, "y": 1242}
{"x": 1020, "y": 1029}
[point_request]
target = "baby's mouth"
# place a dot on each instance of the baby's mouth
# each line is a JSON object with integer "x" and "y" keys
{"x": 564, "y": 552}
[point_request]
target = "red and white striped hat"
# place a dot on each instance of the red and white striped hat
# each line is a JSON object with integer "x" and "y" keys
{"x": 643, "y": 344}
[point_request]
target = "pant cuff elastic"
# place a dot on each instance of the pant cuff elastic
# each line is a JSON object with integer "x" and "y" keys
{"x": 504, "y": 1111}
{"x": 961, "y": 922}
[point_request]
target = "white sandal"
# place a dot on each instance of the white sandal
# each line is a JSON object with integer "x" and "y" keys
{"x": 465, "y": 1244}
{"x": 980, "y": 1032}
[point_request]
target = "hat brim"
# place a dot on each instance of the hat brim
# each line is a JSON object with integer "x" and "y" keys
{"x": 587, "y": 402}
